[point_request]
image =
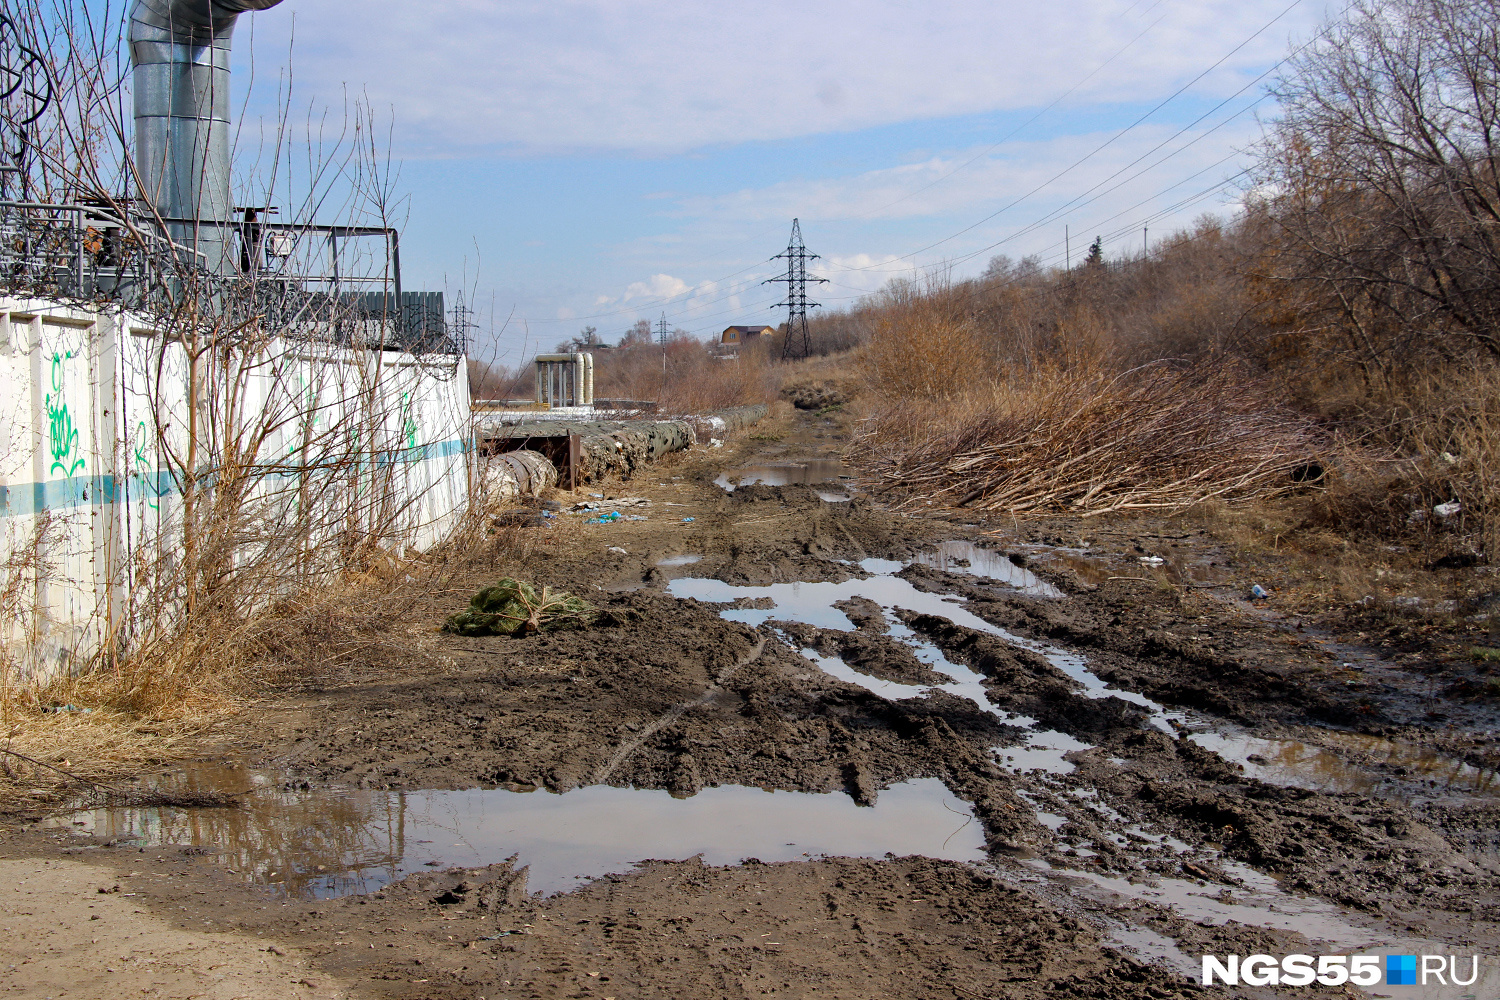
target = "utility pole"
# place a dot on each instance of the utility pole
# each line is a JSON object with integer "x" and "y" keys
{"x": 1145, "y": 244}
{"x": 796, "y": 257}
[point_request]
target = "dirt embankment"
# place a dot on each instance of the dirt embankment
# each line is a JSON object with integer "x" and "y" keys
{"x": 667, "y": 693}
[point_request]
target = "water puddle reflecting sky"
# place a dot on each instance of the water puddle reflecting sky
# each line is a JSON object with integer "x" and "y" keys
{"x": 790, "y": 473}
{"x": 970, "y": 560}
{"x": 1275, "y": 761}
{"x": 331, "y": 842}
{"x": 1293, "y": 762}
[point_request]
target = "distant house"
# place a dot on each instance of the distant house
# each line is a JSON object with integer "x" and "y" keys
{"x": 738, "y": 336}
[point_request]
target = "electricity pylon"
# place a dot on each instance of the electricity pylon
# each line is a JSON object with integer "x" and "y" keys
{"x": 796, "y": 257}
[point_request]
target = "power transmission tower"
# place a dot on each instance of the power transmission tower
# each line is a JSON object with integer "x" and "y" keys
{"x": 796, "y": 257}
{"x": 661, "y": 336}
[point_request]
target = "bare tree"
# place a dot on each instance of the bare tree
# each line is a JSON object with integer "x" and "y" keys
{"x": 1378, "y": 185}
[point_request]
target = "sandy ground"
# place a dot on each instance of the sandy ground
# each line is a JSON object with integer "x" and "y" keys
{"x": 71, "y": 930}
{"x": 1319, "y": 791}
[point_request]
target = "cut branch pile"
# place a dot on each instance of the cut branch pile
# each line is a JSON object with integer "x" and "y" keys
{"x": 1081, "y": 442}
{"x": 513, "y": 607}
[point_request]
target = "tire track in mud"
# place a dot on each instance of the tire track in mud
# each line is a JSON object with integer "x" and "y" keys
{"x": 676, "y": 712}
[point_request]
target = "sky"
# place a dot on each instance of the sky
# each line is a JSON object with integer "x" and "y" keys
{"x": 593, "y": 162}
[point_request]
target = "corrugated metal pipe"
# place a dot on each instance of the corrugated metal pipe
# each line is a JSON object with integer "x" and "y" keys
{"x": 180, "y": 51}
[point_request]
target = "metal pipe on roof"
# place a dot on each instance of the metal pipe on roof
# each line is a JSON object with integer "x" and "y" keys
{"x": 180, "y": 51}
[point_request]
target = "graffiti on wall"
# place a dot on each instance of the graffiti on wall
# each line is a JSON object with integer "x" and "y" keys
{"x": 62, "y": 435}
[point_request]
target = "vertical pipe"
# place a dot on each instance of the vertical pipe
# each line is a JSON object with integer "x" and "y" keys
{"x": 78, "y": 231}
{"x": 180, "y": 51}
{"x": 396, "y": 270}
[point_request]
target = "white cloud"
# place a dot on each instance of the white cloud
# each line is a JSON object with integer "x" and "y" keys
{"x": 860, "y": 273}
{"x": 659, "y": 286}
{"x": 669, "y": 75}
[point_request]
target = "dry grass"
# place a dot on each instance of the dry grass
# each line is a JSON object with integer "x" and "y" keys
{"x": 1434, "y": 441}
{"x": 1080, "y": 439}
{"x": 156, "y": 707}
{"x": 925, "y": 346}
{"x": 690, "y": 381}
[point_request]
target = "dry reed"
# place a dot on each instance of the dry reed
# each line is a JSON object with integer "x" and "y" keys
{"x": 1082, "y": 441}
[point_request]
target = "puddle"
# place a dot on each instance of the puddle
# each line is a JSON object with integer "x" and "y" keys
{"x": 687, "y": 560}
{"x": 1044, "y": 750}
{"x": 1257, "y": 901}
{"x": 332, "y": 842}
{"x": 1292, "y": 762}
{"x": 971, "y": 560}
{"x": 1280, "y": 762}
{"x": 813, "y": 604}
{"x": 808, "y": 472}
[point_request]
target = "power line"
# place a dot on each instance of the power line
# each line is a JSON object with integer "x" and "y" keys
{"x": 1108, "y": 142}
{"x": 626, "y": 310}
{"x": 1023, "y": 126}
{"x": 801, "y": 315}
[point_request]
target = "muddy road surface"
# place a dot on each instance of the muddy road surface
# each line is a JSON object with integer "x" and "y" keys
{"x": 817, "y": 747}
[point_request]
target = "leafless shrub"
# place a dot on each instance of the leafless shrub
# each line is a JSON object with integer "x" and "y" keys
{"x": 1378, "y": 190}
{"x": 1085, "y": 440}
{"x": 926, "y": 343}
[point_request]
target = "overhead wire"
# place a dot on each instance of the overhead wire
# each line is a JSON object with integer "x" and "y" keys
{"x": 661, "y": 301}
{"x": 687, "y": 294}
{"x": 1107, "y": 143}
{"x": 1019, "y": 128}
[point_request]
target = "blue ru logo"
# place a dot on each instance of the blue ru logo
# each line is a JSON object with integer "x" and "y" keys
{"x": 1401, "y": 970}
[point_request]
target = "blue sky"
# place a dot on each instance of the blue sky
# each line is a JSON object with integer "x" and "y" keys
{"x": 598, "y": 161}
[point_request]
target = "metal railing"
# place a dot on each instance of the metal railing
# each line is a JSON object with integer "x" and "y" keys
{"x": 297, "y": 277}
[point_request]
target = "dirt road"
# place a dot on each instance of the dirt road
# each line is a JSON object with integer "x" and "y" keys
{"x": 1143, "y": 763}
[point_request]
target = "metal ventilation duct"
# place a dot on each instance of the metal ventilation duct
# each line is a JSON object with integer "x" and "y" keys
{"x": 180, "y": 50}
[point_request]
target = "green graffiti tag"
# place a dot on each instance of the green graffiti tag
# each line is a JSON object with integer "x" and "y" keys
{"x": 63, "y": 436}
{"x": 408, "y": 424}
{"x": 145, "y": 468}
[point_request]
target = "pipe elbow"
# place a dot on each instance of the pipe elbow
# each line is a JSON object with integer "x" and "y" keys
{"x": 189, "y": 21}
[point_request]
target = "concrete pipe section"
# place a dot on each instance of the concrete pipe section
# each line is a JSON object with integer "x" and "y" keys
{"x": 517, "y": 474}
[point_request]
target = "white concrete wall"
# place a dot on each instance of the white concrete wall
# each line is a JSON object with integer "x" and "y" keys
{"x": 94, "y": 443}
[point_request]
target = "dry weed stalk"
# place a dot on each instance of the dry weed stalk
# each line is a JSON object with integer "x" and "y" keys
{"x": 18, "y": 606}
{"x": 1433, "y": 441}
{"x": 1078, "y": 440}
